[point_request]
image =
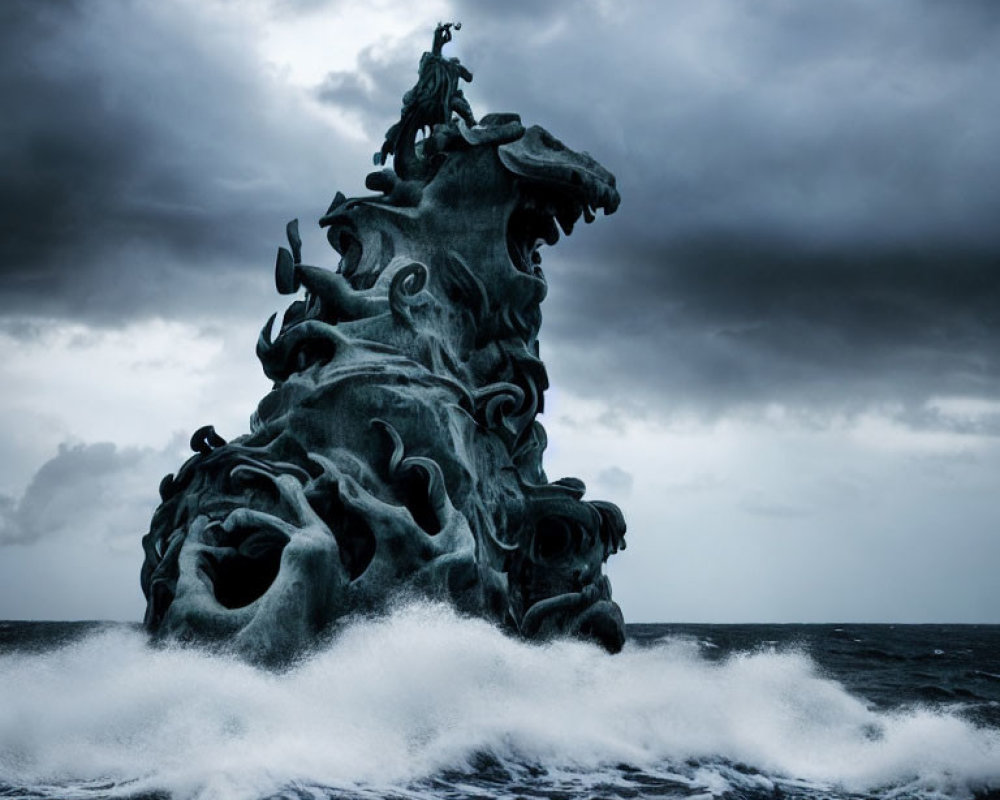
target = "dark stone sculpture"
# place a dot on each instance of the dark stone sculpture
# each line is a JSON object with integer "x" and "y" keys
{"x": 398, "y": 451}
{"x": 429, "y": 103}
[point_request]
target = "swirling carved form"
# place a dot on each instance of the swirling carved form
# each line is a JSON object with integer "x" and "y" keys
{"x": 398, "y": 450}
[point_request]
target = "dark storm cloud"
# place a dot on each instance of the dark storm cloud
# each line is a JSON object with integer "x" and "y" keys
{"x": 719, "y": 322}
{"x": 143, "y": 160}
{"x": 810, "y": 197}
{"x": 810, "y": 191}
{"x": 848, "y": 122}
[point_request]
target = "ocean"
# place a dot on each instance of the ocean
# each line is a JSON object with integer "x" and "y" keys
{"x": 423, "y": 703}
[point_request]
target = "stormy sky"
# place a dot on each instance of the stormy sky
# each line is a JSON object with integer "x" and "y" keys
{"x": 781, "y": 356}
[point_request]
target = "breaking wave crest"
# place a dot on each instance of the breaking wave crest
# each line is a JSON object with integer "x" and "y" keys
{"x": 394, "y": 704}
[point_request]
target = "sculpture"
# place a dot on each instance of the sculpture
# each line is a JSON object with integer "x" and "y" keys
{"x": 398, "y": 450}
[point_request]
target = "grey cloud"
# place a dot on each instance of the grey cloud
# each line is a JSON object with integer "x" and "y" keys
{"x": 21, "y": 329}
{"x": 762, "y": 506}
{"x": 10, "y": 530}
{"x": 283, "y": 8}
{"x": 714, "y": 325}
{"x": 933, "y": 418}
{"x": 373, "y": 91}
{"x": 93, "y": 493}
{"x": 144, "y": 162}
{"x": 345, "y": 89}
{"x": 616, "y": 480}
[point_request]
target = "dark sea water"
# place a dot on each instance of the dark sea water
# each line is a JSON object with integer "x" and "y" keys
{"x": 424, "y": 704}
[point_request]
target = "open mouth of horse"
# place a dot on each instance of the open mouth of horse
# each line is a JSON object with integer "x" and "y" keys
{"x": 558, "y": 186}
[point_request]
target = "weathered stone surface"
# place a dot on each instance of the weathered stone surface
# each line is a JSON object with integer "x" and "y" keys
{"x": 398, "y": 451}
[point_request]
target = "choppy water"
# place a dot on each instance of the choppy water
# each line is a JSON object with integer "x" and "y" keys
{"x": 423, "y": 704}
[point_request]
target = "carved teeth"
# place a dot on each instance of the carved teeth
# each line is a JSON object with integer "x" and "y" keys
{"x": 550, "y": 233}
{"x": 567, "y": 215}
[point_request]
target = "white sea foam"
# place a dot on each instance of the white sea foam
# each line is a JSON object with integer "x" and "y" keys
{"x": 396, "y": 700}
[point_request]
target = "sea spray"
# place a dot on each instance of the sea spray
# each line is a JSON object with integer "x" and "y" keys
{"x": 424, "y": 695}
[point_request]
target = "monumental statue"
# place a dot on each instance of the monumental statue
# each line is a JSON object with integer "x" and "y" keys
{"x": 398, "y": 453}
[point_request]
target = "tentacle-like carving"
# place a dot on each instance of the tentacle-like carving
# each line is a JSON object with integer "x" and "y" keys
{"x": 567, "y": 604}
{"x": 205, "y": 440}
{"x": 298, "y": 348}
{"x": 396, "y": 457}
{"x": 406, "y": 284}
{"x": 500, "y": 407}
{"x": 427, "y": 497}
{"x": 338, "y": 299}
